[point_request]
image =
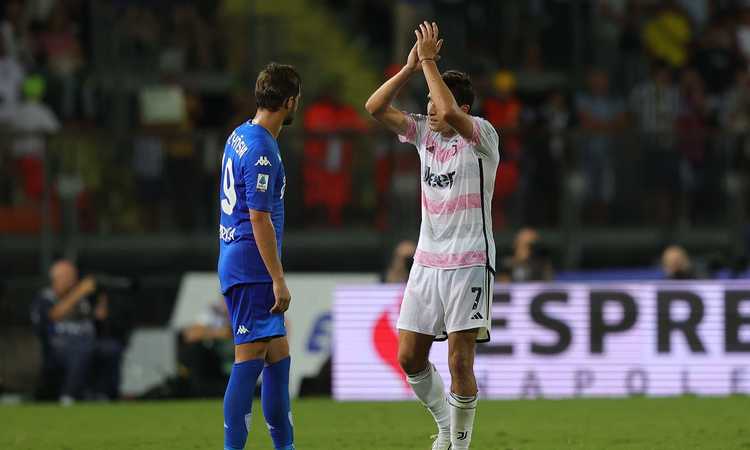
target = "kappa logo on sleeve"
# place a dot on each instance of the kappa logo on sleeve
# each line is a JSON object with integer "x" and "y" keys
{"x": 263, "y": 161}
{"x": 262, "y": 184}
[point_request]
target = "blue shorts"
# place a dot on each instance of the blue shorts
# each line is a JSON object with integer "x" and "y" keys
{"x": 249, "y": 308}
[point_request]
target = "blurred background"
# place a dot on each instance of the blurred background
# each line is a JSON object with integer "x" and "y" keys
{"x": 625, "y": 156}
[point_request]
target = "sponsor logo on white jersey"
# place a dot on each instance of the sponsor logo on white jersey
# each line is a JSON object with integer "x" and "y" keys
{"x": 242, "y": 330}
{"x": 226, "y": 234}
{"x": 263, "y": 161}
{"x": 439, "y": 180}
{"x": 262, "y": 184}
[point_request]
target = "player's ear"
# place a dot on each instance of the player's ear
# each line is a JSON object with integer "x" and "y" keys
{"x": 289, "y": 103}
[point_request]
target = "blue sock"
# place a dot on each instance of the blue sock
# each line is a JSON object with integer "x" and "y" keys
{"x": 238, "y": 402}
{"x": 276, "y": 407}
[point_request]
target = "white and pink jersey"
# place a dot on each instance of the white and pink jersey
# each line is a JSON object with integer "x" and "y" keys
{"x": 458, "y": 179}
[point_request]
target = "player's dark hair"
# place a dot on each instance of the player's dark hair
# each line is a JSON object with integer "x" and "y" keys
{"x": 275, "y": 84}
{"x": 460, "y": 86}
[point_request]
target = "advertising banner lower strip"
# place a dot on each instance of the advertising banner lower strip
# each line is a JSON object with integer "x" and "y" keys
{"x": 564, "y": 340}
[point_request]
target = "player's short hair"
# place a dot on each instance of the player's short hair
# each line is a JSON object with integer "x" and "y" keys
{"x": 460, "y": 86}
{"x": 275, "y": 84}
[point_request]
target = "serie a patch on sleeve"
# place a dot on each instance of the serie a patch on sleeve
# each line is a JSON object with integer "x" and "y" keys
{"x": 262, "y": 184}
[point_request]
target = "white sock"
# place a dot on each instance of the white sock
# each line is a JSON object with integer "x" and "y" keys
{"x": 462, "y": 410}
{"x": 429, "y": 388}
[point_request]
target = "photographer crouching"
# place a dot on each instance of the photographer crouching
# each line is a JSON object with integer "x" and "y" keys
{"x": 68, "y": 315}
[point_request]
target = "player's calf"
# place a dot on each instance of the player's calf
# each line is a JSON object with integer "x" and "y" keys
{"x": 461, "y": 367}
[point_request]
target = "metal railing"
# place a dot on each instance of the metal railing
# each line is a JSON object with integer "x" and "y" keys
{"x": 89, "y": 183}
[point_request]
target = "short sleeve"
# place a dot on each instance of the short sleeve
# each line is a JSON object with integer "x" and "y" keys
{"x": 485, "y": 139}
{"x": 259, "y": 171}
{"x": 415, "y": 129}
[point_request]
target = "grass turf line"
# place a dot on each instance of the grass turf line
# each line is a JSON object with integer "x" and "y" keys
{"x": 637, "y": 423}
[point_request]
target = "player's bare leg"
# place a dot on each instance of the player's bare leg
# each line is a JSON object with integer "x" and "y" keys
{"x": 463, "y": 397}
{"x": 413, "y": 356}
{"x": 251, "y": 350}
{"x": 278, "y": 349}
{"x": 414, "y": 351}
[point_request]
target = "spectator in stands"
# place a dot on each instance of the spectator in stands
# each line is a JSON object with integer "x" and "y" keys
{"x": 33, "y": 120}
{"x": 693, "y": 121}
{"x": 11, "y": 78}
{"x": 676, "y": 264}
{"x": 190, "y": 44}
{"x": 62, "y": 50}
{"x": 735, "y": 113}
{"x": 743, "y": 36}
{"x": 716, "y": 58}
{"x": 401, "y": 262}
{"x": 633, "y": 65}
{"x": 64, "y": 317}
{"x": 327, "y": 164}
{"x": 141, "y": 32}
{"x": 148, "y": 171}
{"x": 397, "y": 180}
{"x": 542, "y": 161}
{"x": 600, "y": 115}
{"x": 503, "y": 110}
{"x": 204, "y": 351}
{"x": 655, "y": 105}
{"x": 607, "y": 27}
{"x": 14, "y": 33}
{"x": 530, "y": 260}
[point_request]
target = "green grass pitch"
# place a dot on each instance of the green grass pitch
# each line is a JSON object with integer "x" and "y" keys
{"x": 637, "y": 423}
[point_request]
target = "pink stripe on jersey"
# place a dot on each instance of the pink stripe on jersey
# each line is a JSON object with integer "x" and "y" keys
{"x": 410, "y": 135}
{"x": 460, "y": 203}
{"x": 444, "y": 154}
{"x": 449, "y": 260}
{"x": 475, "y": 137}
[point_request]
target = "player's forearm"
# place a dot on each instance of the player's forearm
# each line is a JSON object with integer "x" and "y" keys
{"x": 445, "y": 104}
{"x": 66, "y": 304}
{"x": 265, "y": 239}
{"x": 384, "y": 96}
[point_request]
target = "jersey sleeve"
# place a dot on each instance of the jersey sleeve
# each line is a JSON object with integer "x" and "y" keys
{"x": 485, "y": 139}
{"x": 260, "y": 168}
{"x": 415, "y": 129}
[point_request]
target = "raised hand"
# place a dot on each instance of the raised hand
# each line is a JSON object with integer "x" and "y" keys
{"x": 412, "y": 62}
{"x": 428, "y": 44}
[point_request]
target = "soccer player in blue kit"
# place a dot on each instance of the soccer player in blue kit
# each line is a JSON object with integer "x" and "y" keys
{"x": 250, "y": 271}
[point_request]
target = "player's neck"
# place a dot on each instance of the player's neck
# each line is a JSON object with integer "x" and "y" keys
{"x": 270, "y": 120}
{"x": 448, "y": 134}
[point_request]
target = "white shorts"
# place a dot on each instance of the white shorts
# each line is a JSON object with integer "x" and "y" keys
{"x": 438, "y": 302}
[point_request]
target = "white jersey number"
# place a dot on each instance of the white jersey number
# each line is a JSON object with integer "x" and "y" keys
{"x": 227, "y": 185}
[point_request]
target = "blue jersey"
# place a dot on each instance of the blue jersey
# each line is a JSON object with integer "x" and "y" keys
{"x": 252, "y": 177}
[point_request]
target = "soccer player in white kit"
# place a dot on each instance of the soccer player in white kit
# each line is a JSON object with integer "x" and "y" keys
{"x": 449, "y": 292}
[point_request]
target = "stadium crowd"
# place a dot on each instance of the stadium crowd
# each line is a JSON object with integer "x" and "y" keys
{"x": 671, "y": 76}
